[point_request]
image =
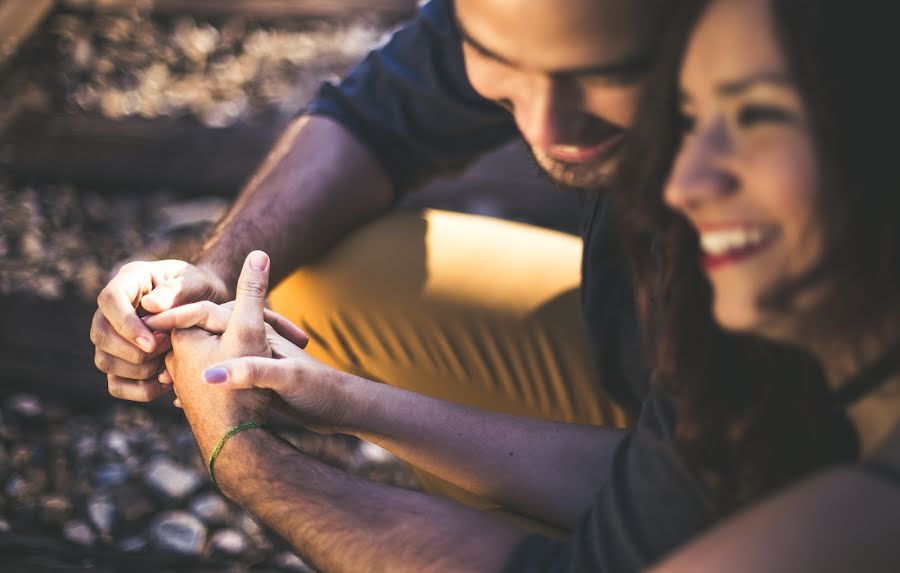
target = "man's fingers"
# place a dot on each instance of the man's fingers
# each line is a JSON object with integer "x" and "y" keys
{"x": 207, "y": 315}
{"x": 286, "y": 328}
{"x": 185, "y": 339}
{"x": 115, "y": 303}
{"x": 249, "y": 372}
{"x": 109, "y": 364}
{"x": 105, "y": 338}
{"x": 246, "y": 321}
{"x": 135, "y": 390}
{"x": 282, "y": 326}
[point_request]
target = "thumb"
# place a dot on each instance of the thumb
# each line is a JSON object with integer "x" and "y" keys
{"x": 246, "y": 322}
{"x": 249, "y": 372}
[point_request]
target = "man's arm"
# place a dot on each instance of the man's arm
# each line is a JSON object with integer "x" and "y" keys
{"x": 346, "y": 523}
{"x": 317, "y": 184}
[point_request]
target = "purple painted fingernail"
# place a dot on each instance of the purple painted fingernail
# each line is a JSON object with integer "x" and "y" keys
{"x": 215, "y": 375}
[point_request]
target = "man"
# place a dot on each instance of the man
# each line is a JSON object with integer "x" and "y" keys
{"x": 454, "y": 83}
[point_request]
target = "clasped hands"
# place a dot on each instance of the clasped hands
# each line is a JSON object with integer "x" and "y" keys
{"x": 231, "y": 363}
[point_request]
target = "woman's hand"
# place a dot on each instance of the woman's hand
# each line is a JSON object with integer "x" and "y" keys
{"x": 318, "y": 396}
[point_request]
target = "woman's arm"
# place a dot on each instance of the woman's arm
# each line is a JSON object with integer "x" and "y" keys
{"x": 839, "y": 521}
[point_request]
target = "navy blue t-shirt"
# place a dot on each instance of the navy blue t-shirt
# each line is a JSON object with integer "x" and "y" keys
{"x": 411, "y": 103}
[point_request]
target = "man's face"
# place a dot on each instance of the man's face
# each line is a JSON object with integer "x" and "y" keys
{"x": 568, "y": 71}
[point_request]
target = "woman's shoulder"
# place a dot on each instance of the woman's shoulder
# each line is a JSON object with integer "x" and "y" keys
{"x": 885, "y": 461}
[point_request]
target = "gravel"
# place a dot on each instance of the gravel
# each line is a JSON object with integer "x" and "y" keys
{"x": 93, "y": 483}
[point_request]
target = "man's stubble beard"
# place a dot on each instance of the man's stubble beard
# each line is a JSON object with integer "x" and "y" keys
{"x": 588, "y": 176}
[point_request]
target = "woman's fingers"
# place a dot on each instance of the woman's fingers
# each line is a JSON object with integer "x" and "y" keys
{"x": 250, "y": 372}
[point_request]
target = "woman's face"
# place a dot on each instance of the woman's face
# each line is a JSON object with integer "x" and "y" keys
{"x": 745, "y": 174}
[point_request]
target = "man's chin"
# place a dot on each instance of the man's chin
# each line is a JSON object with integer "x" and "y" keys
{"x": 589, "y": 176}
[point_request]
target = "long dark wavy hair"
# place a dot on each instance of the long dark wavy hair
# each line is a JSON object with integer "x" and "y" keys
{"x": 754, "y": 414}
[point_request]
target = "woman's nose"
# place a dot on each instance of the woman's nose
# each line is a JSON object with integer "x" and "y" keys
{"x": 701, "y": 172}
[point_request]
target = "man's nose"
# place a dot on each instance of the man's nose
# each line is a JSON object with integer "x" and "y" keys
{"x": 701, "y": 171}
{"x": 548, "y": 112}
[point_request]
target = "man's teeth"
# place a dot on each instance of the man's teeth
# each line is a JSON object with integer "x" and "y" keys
{"x": 720, "y": 242}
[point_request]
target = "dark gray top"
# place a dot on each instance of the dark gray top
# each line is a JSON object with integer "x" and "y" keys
{"x": 411, "y": 103}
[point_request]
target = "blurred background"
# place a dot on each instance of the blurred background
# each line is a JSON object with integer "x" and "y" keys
{"x": 126, "y": 128}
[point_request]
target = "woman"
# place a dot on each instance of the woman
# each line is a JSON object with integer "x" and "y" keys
{"x": 772, "y": 141}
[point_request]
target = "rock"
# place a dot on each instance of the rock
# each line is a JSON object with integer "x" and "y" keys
{"x": 211, "y": 508}
{"x": 102, "y": 512}
{"x": 77, "y": 531}
{"x": 26, "y": 405}
{"x": 17, "y": 487}
{"x": 133, "y": 503}
{"x": 292, "y": 562}
{"x": 229, "y": 542}
{"x": 179, "y": 532}
{"x": 172, "y": 480}
{"x": 116, "y": 443}
{"x": 375, "y": 454}
{"x": 133, "y": 543}
{"x": 110, "y": 475}
{"x": 54, "y": 510}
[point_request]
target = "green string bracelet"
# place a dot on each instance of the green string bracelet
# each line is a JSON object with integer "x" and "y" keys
{"x": 222, "y": 440}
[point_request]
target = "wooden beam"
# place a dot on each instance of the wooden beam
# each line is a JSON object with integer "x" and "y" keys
{"x": 267, "y": 8}
{"x": 102, "y": 153}
{"x": 18, "y": 19}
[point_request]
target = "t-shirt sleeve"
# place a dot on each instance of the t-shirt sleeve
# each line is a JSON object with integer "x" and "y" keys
{"x": 650, "y": 505}
{"x": 411, "y": 103}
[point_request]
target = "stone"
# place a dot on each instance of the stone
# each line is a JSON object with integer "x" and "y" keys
{"x": 170, "y": 479}
{"x": 211, "y": 508}
{"x": 79, "y": 532}
{"x": 102, "y": 512}
{"x": 133, "y": 543}
{"x": 110, "y": 475}
{"x": 26, "y": 405}
{"x": 291, "y": 562}
{"x": 229, "y": 542}
{"x": 54, "y": 510}
{"x": 375, "y": 454}
{"x": 116, "y": 443}
{"x": 133, "y": 503}
{"x": 179, "y": 532}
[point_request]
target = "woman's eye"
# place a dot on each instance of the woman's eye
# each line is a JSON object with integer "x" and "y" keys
{"x": 753, "y": 115}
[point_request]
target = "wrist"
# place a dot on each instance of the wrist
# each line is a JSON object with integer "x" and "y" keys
{"x": 360, "y": 398}
{"x": 218, "y": 277}
{"x": 234, "y": 454}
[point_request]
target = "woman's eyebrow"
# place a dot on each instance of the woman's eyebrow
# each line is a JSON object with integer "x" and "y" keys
{"x": 736, "y": 87}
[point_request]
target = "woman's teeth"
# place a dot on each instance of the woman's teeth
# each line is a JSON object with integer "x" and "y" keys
{"x": 718, "y": 243}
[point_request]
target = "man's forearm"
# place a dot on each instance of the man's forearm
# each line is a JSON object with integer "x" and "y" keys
{"x": 345, "y": 523}
{"x": 547, "y": 470}
{"x": 318, "y": 183}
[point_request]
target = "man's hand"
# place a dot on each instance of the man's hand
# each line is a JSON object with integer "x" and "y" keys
{"x": 212, "y": 411}
{"x": 317, "y": 395}
{"x": 126, "y": 350}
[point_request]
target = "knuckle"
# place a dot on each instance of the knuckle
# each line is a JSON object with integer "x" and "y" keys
{"x": 252, "y": 287}
{"x": 98, "y": 336}
{"x": 105, "y": 297}
{"x": 103, "y": 361}
{"x": 132, "y": 266}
